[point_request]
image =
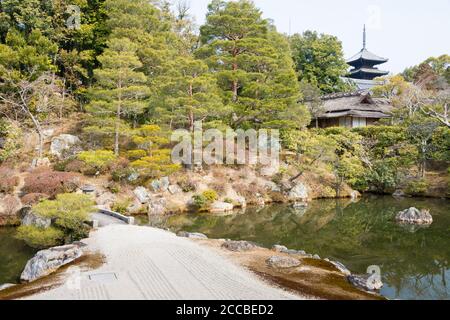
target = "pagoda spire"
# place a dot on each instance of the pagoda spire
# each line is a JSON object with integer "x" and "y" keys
{"x": 364, "y": 63}
{"x": 364, "y": 37}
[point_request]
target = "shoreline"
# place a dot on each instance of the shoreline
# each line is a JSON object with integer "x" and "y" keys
{"x": 156, "y": 264}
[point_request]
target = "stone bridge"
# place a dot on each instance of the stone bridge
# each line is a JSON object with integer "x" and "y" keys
{"x": 104, "y": 217}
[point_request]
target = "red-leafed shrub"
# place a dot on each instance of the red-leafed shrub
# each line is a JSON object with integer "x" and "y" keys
{"x": 33, "y": 198}
{"x": 50, "y": 182}
{"x": 75, "y": 166}
{"x": 9, "y": 206}
{"x": 8, "y": 180}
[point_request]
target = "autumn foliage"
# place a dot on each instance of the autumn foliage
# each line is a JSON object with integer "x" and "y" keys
{"x": 50, "y": 183}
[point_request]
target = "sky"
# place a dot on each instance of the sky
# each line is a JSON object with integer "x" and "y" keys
{"x": 405, "y": 31}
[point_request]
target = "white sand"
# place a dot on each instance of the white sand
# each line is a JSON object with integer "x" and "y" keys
{"x": 146, "y": 263}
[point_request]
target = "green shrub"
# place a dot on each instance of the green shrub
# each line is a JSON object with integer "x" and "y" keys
{"x": 210, "y": 195}
{"x": 40, "y": 238}
{"x": 70, "y": 211}
{"x": 98, "y": 160}
{"x": 136, "y": 154}
{"x": 328, "y": 192}
{"x": 417, "y": 187}
{"x": 382, "y": 177}
{"x": 186, "y": 185}
{"x": 158, "y": 164}
{"x": 113, "y": 187}
{"x": 200, "y": 202}
{"x": 204, "y": 200}
{"x": 121, "y": 206}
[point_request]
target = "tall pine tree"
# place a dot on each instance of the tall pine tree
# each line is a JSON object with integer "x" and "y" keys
{"x": 249, "y": 59}
{"x": 120, "y": 90}
{"x": 190, "y": 94}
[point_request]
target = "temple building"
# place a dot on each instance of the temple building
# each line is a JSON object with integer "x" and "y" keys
{"x": 352, "y": 110}
{"x": 364, "y": 69}
{"x": 359, "y": 108}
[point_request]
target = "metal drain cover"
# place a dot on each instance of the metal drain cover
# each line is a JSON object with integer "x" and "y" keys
{"x": 103, "y": 277}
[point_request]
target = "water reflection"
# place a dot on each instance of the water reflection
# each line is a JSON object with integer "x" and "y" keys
{"x": 414, "y": 260}
{"x": 14, "y": 255}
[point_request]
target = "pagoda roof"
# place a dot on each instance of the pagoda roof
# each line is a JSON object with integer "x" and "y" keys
{"x": 365, "y": 54}
{"x": 369, "y": 71}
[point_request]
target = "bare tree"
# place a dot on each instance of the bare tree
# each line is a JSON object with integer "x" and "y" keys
{"x": 182, "y": 9}
{"x": 439, "y": 110}
{"x": 413, "y": 99}
{"x": 30, "y": 99}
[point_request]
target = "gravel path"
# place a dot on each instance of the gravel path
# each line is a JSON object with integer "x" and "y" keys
{"x": 147, "y": 263}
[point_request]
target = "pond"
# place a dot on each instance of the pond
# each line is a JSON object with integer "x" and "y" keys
{"x": 14, "y": 255}
{"x": 414, "y": 261}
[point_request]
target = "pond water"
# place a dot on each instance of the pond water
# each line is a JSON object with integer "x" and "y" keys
{"x": 14, "y": 255}
{"x": 414, "y": 261}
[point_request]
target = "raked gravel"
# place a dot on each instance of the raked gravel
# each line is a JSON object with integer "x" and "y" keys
{"x": 147, "y": 263}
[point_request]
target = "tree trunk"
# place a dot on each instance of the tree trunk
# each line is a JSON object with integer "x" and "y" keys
{"x": 317, "y": 123}
{"x": 63, "y": 100}
{"x": 117, "y": 124}
{"x": 235, "y": 83}
{"x": 234, "y": 86}
{"x": 191, "y": 112}
{"x": 37, "y": 126}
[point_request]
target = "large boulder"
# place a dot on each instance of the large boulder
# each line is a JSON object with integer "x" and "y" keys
{"x": 106, "y": 199}
{"x": 175, "y": 189}
{"x": 65, "y": 145}
{"x": 40, "y": 162}
{"x": 48, "y": 261}
{"x": 365, "y": 282}
{"x": 270, "y": 170}
{"x": 161, "y": 185}
{"x": 239, "y": 246}
{"x": 272, "y": 186}
{"x": 31, "y": 219}
{"x": 414, "y": 216}
{"x": 192, "y": 235}
{"x": 142, "y": 194}
{"x": 279, "y": 262}
{"x": 219, "y": 207}
{"x": 157, "y": 207}
{"x": 135, "y": 207}
{"x": 341, "y": 267}
{"x": 299, "y": 192}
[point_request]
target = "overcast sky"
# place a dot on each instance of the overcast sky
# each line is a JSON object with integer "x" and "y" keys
{"x": 405, "y": 31}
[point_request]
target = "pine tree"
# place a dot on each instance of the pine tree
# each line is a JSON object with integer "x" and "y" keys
{"x": 249, "y": 59}
{"x": 190, "y": 94}
{"x": 120, "y": 91}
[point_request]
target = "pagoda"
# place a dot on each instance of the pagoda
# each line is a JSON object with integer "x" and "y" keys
{"x": 364, "y": 63}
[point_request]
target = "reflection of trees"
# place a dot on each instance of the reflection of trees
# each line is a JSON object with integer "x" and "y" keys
{"x": 14, "y": 254}
{"x": 358, "y": 234}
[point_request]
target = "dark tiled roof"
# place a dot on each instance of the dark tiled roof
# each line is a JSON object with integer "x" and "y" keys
{"x": 357, "y": 104}
{"x": 365, "y": 54}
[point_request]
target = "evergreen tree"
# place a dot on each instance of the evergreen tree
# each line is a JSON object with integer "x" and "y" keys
{"x": 249, "y": 59}
{"x": 120, "y": 90}
{"x": 319, "y": 60}
{"x": 190, "y": 94}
